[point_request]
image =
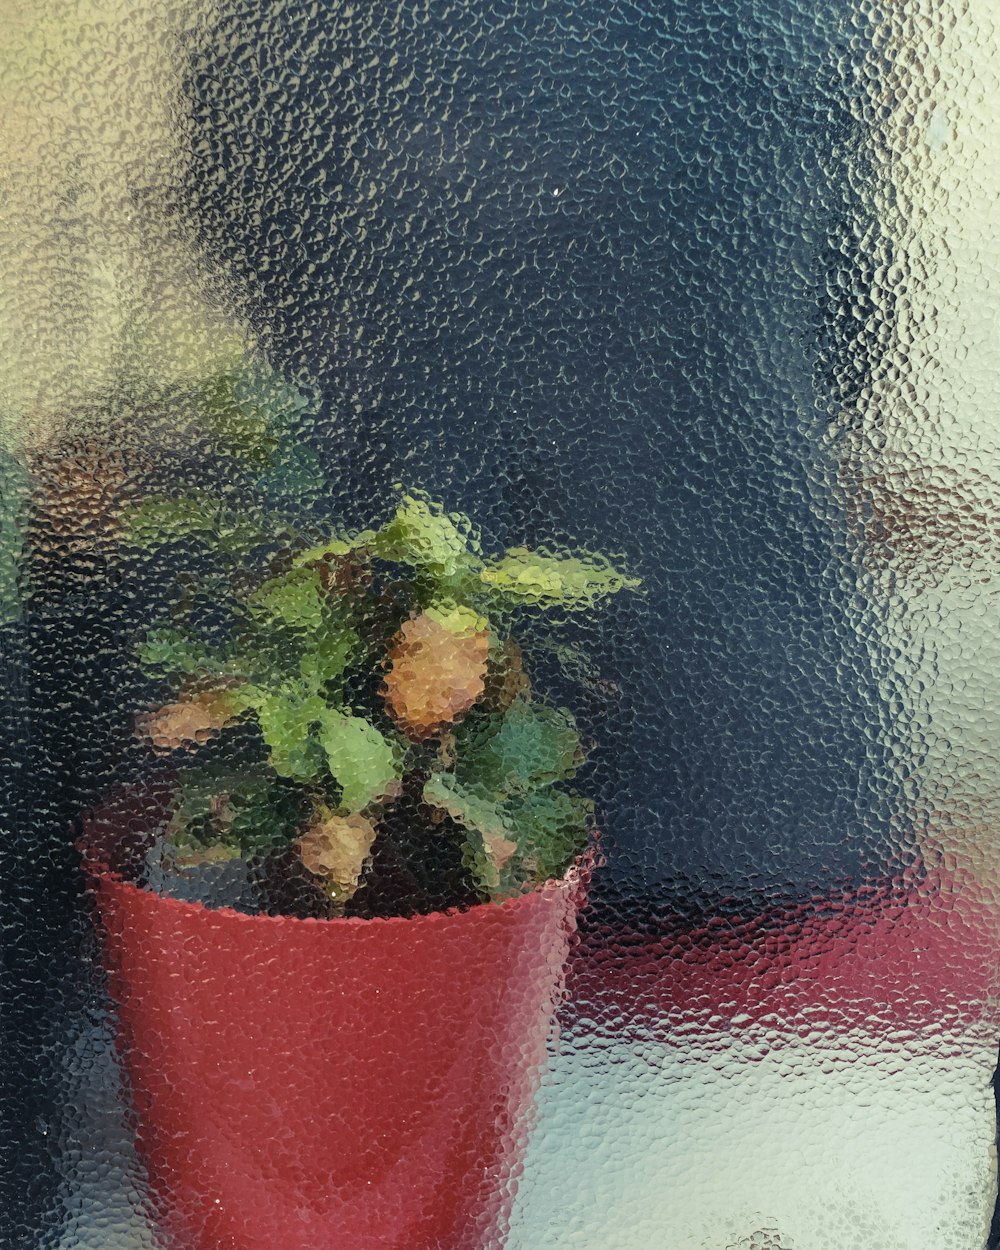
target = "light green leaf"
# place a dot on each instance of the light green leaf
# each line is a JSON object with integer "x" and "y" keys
{"x": 296, "y": 599}
{"x": 465, "y": 805}
{"x": 457, "y": 618}
{"x": 246, "y": 697}
{"x": 532, "y": 746}
{"x": 573, "y": 582}
{"x": 362, "y": 760}
{"x": 333, "y": 547}
{"x": 166, "y": 520}
{"x": 285, "y": 723}
{"x": 424, "y": 535}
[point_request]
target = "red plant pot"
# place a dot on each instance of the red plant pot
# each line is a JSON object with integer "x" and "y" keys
{"x": 349, "y": 1084}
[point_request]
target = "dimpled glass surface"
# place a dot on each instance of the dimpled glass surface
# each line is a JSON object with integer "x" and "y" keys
{"x": 710, "y": 286}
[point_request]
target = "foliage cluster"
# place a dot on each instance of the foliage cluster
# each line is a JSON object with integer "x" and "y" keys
{"x": 360, "y": 680}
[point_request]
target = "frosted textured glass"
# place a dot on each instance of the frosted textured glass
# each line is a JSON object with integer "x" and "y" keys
{"x": 707, "y": 290}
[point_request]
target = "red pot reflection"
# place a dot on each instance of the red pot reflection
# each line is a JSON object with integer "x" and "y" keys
{"x": 878, "y": 957}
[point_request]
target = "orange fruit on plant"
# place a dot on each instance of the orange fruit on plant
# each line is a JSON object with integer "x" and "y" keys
{"x": 437, "y": 670}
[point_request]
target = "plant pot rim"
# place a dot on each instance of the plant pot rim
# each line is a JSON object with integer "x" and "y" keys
{"x": 576, "y": 879}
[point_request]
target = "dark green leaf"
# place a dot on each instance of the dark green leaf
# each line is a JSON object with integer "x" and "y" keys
{"x": 252, "y": 414}
{"x": 547, "y": 829}
{"x": 266, "y": 817}
{"x": 531, "y": 745}
{"x": 169, "y": 651}
{"x": 295, "y": 473}
{"x": 225, "y": 807}
{"x": 550, "y": 828}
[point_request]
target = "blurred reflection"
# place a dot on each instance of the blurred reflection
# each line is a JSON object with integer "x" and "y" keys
{"x": 104, "y": 303}
{"x": 919, "y": 463}
{"x": 105, "y": 287}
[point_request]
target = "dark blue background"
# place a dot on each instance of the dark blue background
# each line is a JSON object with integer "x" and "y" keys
{"x": 598, "y": 273}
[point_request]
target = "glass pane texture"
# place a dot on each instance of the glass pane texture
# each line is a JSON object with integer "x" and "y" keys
{"x": 637, "y": 365}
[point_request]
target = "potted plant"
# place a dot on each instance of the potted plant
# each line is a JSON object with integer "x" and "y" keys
{"x": 336, "y": 916}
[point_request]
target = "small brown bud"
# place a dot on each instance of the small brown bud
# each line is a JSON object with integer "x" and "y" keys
{"x": 189, "y": 722}
{"x": 335, "y": 848}
{"x": 506, "y": 680}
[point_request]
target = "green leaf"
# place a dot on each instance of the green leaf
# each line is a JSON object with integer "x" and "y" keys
{"x": 573, "y": 582}
{"x": 265, "y": 818}
{"x": 191, "y": 818}
{"x": 252, "y": 413}
{"x": 531, "y": 746}
{"x": 224, "y": 807}
{"x": 156, "y": 522}
{"x": 169, "y": 651}
{"x": 329, "y": 653}
{"x": 489, "y": 847}
{"x": 239, "y": 422}
{"x": 299, "y": 627}
{"x": 423, "y": 535}
{"x": 295, "y": 599}
{"x": 457, "y": 618}
{"x": 466, "y": 805}
{"x": 286, "y": 722}
{"x": 550, "y": 828}
{"x": 296, "y": 472}
{"x": 362, "y": 760}
{"x": 331, "y": 547}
